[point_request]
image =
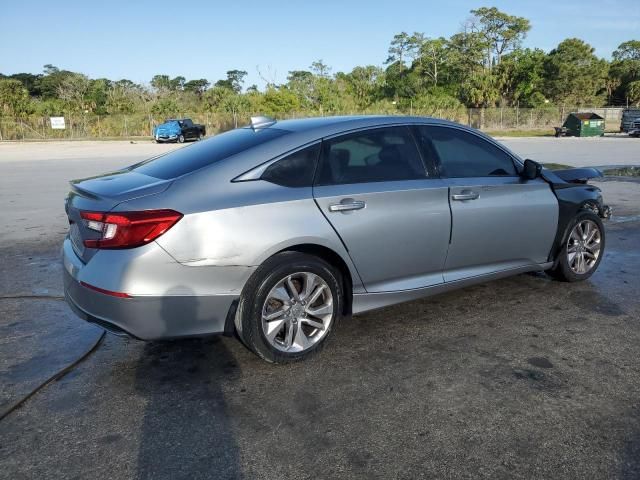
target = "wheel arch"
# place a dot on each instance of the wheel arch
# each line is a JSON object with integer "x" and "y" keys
{"x": 572, "y": 201}
{"x": 334, "y": 259}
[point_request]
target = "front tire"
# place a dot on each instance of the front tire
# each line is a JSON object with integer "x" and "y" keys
{"x": 582, "y": 248}
{"x": 289, "y": 307}
{"x": 181, "y": 138}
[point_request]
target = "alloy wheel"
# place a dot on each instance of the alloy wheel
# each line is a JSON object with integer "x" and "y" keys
{"x": 583, "y": 246}
{"x": 297, "y": 312}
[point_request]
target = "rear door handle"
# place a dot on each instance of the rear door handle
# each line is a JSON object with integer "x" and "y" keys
{"x": 346, "y": 205}
{"x": 465, "y": 195}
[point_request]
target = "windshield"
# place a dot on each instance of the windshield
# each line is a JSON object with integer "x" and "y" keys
{"x": 188, "y": 159}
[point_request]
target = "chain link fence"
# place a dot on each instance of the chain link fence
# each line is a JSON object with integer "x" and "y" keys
{"x": 86, "y": 126}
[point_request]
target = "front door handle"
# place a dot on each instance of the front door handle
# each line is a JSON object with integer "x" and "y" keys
{"x": 465, "y": 195}
{"x": 346, "y": 205}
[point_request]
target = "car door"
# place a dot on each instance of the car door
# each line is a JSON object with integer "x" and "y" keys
{"x": 394, "y": 219}
{"x": 500, "y": 221}
{"x": 187, "y": 128}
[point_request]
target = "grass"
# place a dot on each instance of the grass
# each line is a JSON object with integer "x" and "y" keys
{"x": 623, "y": 172}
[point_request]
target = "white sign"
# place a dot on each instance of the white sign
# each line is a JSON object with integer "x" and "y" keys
{"x": 57, "y": 123}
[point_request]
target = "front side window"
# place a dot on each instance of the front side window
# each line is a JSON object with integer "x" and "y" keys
{"x": 383, "y": 154}
{"x": 295, "y": 170}
{"x": 462, "y": 154}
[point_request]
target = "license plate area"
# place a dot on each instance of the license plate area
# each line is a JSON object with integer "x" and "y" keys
{"x": 76, "y": 239}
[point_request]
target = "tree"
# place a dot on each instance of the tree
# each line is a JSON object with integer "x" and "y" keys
{"x": 165, "y": 107}
{"x": 177, "y": 83}
{"x": 480, "y": 91}
{"x": 401, "y": 47}
{"x": 301, "y": 82}
{"x": 49, "y": 83}
{"x": 197, "y": 86}
{"x": 503, "y": 32}
{"x": 573, "y": 74}
{"x": 432, "y": 55}
{"x": 521, "y": 77}
{"x": 465, "y": 55}
{"x": 320, "y": 68}
{"x": 161, "y": 83}
{"x": 14, "y": 97}
{"x": 224, "y": 99}
{"x": 234, "y": 80}
{"x": 279, "y": 101}
{"x": 30, "y": 81}
{"x": 365, "y": 84}
{"x": 624, "y": 70}
{"x": 122, "y": 96}
{"x": 633, "y": 93}
{"x": 73, "y": 90}
{"x": 628, "y": 51}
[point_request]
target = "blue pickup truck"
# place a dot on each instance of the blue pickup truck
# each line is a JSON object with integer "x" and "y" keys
{"x": 178, "y": 130}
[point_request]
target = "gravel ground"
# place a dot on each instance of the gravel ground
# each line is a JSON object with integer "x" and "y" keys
{"x": 520, "y": 378}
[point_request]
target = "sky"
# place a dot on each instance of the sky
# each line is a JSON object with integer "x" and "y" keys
{"x": 203, "y": 39}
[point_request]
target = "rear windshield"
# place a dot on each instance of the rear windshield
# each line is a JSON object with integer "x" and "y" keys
{"x": 191, "y": 158}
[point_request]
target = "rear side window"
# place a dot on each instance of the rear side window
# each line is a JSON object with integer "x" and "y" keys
{"x": 198, "y": 155}
{"x": 379, "y": 155}
{"x": 461, "y": 154}
{"x": 295, "y": 170}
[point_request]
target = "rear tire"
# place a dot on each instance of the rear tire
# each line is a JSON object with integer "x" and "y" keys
{"x": 281, "y": 326}
{"x": 582, "y": 248}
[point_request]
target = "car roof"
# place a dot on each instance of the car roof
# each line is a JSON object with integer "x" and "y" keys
{"x": 348, "y": 122}
{"x": 303, "y": 130}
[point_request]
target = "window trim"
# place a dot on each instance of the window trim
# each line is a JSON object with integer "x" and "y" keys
{"x": 357, "y": 131}
{"x": 514, "y": 160}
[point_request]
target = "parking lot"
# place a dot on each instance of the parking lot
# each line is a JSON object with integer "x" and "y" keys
{"x": 520, "y": 378}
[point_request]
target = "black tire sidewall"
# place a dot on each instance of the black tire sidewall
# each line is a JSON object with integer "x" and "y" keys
{"x": 259, "y": 286}
{"x": 563, "y": 270}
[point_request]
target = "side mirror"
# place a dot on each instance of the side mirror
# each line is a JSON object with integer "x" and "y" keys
{"x": 531, "y": 169}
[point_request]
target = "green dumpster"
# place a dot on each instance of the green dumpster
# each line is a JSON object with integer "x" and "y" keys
{"x": 584, "y": 124}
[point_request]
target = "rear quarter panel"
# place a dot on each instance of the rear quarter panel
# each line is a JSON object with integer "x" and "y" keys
{"x": 241, "y": 224}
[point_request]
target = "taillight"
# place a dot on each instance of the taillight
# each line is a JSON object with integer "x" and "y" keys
{"x": 128, "y": 229}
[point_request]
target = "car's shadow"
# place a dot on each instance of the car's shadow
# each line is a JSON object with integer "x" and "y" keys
{"x": 186, "y": 428}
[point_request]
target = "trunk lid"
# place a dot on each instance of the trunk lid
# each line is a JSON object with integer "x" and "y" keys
{"x": 102, "y": 194}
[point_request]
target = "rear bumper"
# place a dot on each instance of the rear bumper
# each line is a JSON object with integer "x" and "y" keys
{"x": 146, "y": 317}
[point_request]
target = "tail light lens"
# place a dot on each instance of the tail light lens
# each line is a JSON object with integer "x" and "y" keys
{"x": 128, "y": 229}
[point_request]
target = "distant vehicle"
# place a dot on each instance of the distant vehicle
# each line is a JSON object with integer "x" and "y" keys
{"x": 629, "y": 116}
{"x": 278, "y": 229}
{"x": 178, "y": 130}
{"x": 634, "y": 131}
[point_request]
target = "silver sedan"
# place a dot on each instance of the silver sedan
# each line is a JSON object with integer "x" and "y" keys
{"x": 276, "y": 230}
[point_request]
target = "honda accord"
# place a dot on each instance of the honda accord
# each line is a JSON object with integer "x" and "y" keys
{"x": 276, "y": 230}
